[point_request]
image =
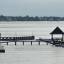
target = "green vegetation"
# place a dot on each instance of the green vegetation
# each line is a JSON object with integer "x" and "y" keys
{"x": 28, "y": 18}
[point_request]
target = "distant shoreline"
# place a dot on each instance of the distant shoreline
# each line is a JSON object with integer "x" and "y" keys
{"x": 28, "y": 18}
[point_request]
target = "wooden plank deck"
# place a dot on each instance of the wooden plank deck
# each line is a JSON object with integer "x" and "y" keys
{"x": 23, "y": 40}
{"x": 18, "y": 39}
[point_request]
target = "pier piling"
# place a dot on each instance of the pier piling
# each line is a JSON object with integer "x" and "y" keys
{"x": 47, "y": 43}
{"x": 7, "y": 43}
{"x": 39, "y": 43}
{"x": 31, "y": 43}
{"x": 15, "y": 43}
{"x": 23, "y": 43}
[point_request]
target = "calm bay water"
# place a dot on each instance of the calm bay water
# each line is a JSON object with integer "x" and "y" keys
{"x": 43, "y": 54}
{"x": 39, "y": 29}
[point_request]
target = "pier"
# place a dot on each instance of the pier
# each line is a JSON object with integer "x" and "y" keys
{"x": 57, "y": 41}
{"x": 30, "y": 39}
{"x": 22, "y": 41}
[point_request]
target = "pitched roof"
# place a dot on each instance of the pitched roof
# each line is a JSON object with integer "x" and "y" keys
{"x": 57, "y": 30}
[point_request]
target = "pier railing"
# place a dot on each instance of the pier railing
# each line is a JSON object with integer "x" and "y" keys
{"x": 16, "y": 38}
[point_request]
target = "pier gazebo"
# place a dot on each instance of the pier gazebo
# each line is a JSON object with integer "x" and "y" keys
{"x": 57, "y": 31}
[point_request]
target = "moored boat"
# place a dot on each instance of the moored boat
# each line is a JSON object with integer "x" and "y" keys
{"x": 2, "y": 50}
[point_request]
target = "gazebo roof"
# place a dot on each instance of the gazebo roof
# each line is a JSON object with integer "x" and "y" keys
{"x": 57, "y": 30}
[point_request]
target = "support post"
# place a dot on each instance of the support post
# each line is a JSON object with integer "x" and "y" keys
{"x": 52, "y": 37}
{"x": 52, "y": 40}
{"x": 15, "y": 43}
{"x": 47, "y": 43}
{"x": 7, "y": 43}
{"x": 31, "y": 43}
{"x": 39, "y": 43}
{"x": 23, "y": 43}
{"x": 62, "y": 37}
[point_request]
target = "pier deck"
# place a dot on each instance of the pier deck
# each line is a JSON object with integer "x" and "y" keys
{"x": 18, "y": 39}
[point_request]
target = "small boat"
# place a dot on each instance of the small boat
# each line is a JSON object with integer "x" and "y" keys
{"x": 2, "y": 50}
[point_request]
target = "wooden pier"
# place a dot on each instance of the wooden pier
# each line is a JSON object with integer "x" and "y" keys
{"x": 22, "y": 41}
{"x": 30, "y": 39}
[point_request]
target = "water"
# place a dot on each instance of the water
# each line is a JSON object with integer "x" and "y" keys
{"x": 39, "y": 29}
{"x": 43, "y": 54}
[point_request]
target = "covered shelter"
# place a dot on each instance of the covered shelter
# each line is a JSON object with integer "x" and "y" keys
{"x": 57, "y": 31}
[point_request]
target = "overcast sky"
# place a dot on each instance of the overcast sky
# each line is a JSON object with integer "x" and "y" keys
{"x": 32, "y": 7}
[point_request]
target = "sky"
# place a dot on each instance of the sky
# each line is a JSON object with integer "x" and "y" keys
{"x": 32, "y": 7}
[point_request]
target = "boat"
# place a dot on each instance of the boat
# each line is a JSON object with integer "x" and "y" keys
{"x": 2, "y": 50}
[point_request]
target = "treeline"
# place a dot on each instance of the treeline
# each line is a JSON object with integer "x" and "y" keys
{"x": 28, "y": 18}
